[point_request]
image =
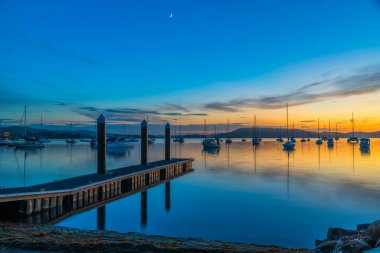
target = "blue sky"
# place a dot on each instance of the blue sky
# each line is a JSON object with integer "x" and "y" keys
{"x": 70, "y": 60}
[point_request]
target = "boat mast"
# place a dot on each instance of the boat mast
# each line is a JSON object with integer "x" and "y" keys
{"x": 353, "y": 129}
{"x": 25, "y": 122}
{"x": 287, "y": 120}
{"x": 329, "y": 130}
{"x": 336, "y": 129}
{"x": 318, "y": 129}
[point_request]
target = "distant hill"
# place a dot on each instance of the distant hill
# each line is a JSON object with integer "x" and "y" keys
{"x": 18, "y": 131}
{"x": 263, "y": 132}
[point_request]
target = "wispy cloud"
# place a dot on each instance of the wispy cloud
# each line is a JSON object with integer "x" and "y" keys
{"x": 129, "y": 114}
{"x": 364, "y": 81}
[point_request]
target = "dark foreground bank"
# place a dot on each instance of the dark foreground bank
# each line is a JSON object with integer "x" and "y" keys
{"x": 61, "y": 239}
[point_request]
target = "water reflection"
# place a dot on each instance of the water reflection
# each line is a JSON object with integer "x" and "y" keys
{"x": 290, "y": 198}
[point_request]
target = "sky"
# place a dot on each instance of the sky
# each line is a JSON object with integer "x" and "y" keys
{"x": 189, "y": 61}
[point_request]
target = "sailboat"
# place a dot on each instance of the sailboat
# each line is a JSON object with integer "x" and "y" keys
{"x": 303, "y": 139}
{"x": 353, "y": 138}
{"x": 228, "y": 139}
{"x": 330, "y": 141}
{"x": 29, "y": 142}
{"x": 288, "y": 145}
{"x": 43, "y": 139}
{"x": 180, "y": 139}
{"x": 71, "y": 140}
{"x": 336, "y": 131}
{"x": 279, "y": 139}
{"x": 176, "y": 139}
{"x": 255, "y": 139}
{"x": 209, "y": 143}
{"x": 319, "y": 141}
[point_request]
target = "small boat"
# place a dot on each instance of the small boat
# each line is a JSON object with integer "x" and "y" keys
{"x": 5, "y": 142}
{"x": 210, "y": 143}
{"x": 93, "y": 142}
{"x": 303, "y": 139}
{"x": 289, "y": 145}
{"x": 180, "y": 139}
{"x": 118, "y": 142}
{"x": 243, "y": 140}
{"x": 280, "y": 139}
{"x": 151, "y": 141}
{"x": 365, "y": 143}
{"x": 44, "y": 140}
{"x": 133, "y": 139}
{"x": 330, "y": 142}
{"x": 353, "y": 138}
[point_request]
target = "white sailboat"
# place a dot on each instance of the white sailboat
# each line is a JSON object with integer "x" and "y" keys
{"x": 209, "y": 143}
{"x": 71, "y": 140}
{"x": 29, "y": 142}
{"x": 319, "y": 141}
{"x": 353, "y": 138}
{"x": 255, "y": 138}
{"x": 330, "y": 141}
{"x": 288, "y": 145}
{"x": 228, "y": 139}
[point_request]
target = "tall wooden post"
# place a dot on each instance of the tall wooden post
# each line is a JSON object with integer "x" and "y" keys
{"x": 144, "y": 142}
{"x": 167, "y": 196}
{"x": 144, "y": 208}
{"x": 101, "y": 129}
{"x": 167, "y": 142}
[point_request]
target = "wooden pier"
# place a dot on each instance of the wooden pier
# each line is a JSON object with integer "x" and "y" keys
{"x": 52, "y": 200}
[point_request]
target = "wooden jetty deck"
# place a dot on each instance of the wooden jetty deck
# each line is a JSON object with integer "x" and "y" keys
{"x": 72, "y": 193}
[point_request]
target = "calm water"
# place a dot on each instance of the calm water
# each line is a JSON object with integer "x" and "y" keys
{"x": 261, "y": 195}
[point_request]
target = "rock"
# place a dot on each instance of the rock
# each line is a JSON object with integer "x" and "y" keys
{"x": 336, "y": 233}
{"x": 374, "y": 229}
{"x": 355, "y": 246}
{"x": 362, "y": 227}
{"x": 317, "y": 242}
{"x": 377, "y": 243}
{"x": 326, "y": 246}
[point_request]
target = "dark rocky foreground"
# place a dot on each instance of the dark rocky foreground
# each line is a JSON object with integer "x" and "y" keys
{"x": 18, "y": 237}
{"x": 365, "y": 237}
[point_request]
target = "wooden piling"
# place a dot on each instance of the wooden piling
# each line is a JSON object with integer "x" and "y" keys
{"x": 167, "y": 142}
{"x": 144, "y": 142}
{"x": 102, "y": 146}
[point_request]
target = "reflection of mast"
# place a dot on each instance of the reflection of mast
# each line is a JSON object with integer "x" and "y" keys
{"x": 228, "y": 156}
{"x": 25, "y": 155}
{"x": 288, "y": 175}
{"x": 144, "y": 208}
{"x": 101, "y": 218}
{"x": 167, "y": 196}
{"x": 319, "y": 158}
{"x": 353, "y": 158}
{"x": 254, "y": 157}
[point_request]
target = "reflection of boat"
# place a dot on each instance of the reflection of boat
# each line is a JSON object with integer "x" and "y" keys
{"x": 364, "y": 143}
{"x": 29, "y": 142}
{"x": 212, "y": 151}
{"x": 118, "y": 142}
{"x": 289, "y": 145}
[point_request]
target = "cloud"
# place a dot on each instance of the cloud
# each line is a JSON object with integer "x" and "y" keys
{"x": 129, "y": 114}
{"x": 171, "y": 106}
{"x": 365, "y": 81}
